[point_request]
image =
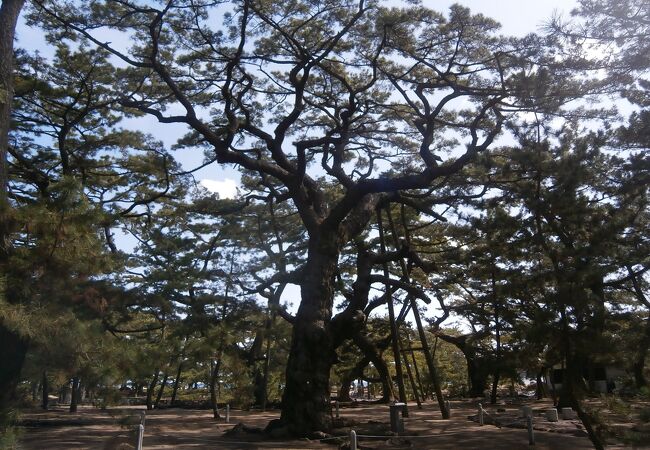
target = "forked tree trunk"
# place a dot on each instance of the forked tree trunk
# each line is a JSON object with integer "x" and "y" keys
{"x": 161, "y": 390}
{"x": 373, "y": 351}
{"x": 349, "y": 377}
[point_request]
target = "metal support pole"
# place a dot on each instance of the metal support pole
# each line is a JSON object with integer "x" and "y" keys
{"x": 140, "y": 436}
{"x": 227, "y": 413}
{"x": 531, "y": 433}
{"x": 353, "y": 440}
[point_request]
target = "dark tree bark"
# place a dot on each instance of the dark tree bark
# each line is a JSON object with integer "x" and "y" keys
{"x": 151, "y": 388}
{"x": 349, "y": 377}
{"x": 305, "y": 400}
{"x": 14, "y": 346}
{"x": 176, "y": 383}
{"x": 161, "y": 390}
{"x": 478, "y": 368}
{"x": 540, "y": 389}
{"x": 214, "y": 378}
{"x": 496, "y": 373}
{"x": 373, "y": 352}
{"x": 76, "y": 393}
{"x": 638, "y": 368}
{"x": 45, "y": 391}
{"x": 12, "y": 356}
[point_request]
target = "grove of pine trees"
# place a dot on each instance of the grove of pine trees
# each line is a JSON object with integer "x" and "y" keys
{"x": 391, "y": 157}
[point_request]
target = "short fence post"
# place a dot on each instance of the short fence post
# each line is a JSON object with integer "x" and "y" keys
{"x": 480, "y": 414}
{"x": 140, "y": 436}
{"x": 336, "y": 405}
{"x": 228, "y": 413}
{"x": 143, "y": 415}
{"x": 551, "y": 415}
{"x": 395, "y": 410}
{"x": 448, "y": 407}
{"x": 353, "y": 440}
{"x": 531, "y": 433}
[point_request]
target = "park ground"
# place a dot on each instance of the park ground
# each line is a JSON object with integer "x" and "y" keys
{"x": 112, "y": 428}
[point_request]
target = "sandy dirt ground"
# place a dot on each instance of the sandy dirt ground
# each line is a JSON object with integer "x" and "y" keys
{"x": 192, "y": 429}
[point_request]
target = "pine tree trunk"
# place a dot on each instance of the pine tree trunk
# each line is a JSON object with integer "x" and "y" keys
{"x": 45, "y": 392}
{"x": 176, "y": 383}
{"x": 372, "y": 352}
{"x": 348, "y": 378}
{"x": 13, "y": 349}
{"x": 161, "y": 390}
{"x": 306, "y": 397}
{"x": 74, "y": 398}
{"x": 150, "y": 391}
{"x": 214, "y": 378}
{"x": 9, "y": 12}
{"x": 496, "y": 373}
{"x": 540, "y": 391}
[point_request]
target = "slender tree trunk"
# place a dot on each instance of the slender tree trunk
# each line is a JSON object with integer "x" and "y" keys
{"x": 539, "y": 388}
{"x": 265, "y": 375}
{"x": 45, "y": 391}
{"x": 74, "y": 398}
{"x": 150, "y": 391}
{"x": 274, "y": 303}
{"x": 638, "y": 368}
{"x": 496, "y": 373}
{"x": 161, "y": 390}
{"x": 176, "y": 383}
{"x": 214, "y": 378}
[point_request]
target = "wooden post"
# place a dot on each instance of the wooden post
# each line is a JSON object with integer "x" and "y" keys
{"x": 353, "y": 440}
{"x": 480, "y": 414}
{"x": 531, "y": 433}
{"x": 433, "y": 372}
{"x": 336, "y": 405}
{"x": 140, "y": 436}
{"x": 391, "y": 317}
{"x": 228, "y": 413}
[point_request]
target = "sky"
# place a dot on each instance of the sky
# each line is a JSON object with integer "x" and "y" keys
{"x": 517, "y": 17}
